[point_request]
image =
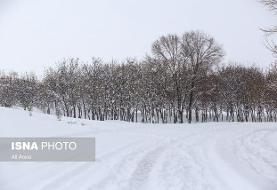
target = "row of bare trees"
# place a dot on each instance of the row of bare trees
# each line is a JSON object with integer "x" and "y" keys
{"x": 181, "y": 81}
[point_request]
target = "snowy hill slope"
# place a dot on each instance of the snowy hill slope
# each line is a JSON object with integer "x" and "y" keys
{"x": 229, "y": 156}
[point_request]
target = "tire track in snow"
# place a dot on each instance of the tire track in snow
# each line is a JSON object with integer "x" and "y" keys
{"x": 146, "y": 168}
{"x": 183, "y": 166}
{"x": 115, "y": 175}
{"x": 62, "y": 178}
{"x": 141, "y": 174}
{"x": 259, "y": 155}
{"x": 132, "y": 172}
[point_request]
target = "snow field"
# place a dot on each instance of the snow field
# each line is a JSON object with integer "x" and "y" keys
{"x": 206, "y": 156}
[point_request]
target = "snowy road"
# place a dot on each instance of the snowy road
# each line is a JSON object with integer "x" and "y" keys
{"x": 209, "y": 156}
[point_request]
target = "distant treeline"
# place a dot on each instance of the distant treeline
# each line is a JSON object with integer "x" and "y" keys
{"x": 182, "y": 80}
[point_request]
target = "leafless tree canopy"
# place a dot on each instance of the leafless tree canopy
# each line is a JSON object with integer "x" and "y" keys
{"x": 272, "y": 5}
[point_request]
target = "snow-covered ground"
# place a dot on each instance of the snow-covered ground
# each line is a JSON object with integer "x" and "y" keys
{"x": 210, "y": 156}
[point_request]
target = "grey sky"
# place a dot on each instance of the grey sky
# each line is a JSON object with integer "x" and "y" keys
{"x": 35, "y": 34}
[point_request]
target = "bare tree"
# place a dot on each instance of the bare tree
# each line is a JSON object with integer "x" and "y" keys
{"x": 272, "y": 5}
{"x": 167, "y": 53}
{"x": 200, "y": 53}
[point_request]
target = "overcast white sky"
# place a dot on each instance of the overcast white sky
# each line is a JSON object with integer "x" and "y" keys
{"x": 35, "y": 34}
